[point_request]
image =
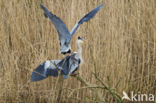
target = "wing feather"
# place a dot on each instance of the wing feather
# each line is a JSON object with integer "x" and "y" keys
{"x": 44, "y": 70}
{"x": 86, "y": 18}
{"x": 58, "y": 23}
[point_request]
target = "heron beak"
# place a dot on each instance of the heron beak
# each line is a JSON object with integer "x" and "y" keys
{"x": 83, "y": 41}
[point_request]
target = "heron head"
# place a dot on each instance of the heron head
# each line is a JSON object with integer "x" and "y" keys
{"x": 80, "y": 40}
{"x": 69, "y": 51}
{"x": 65, "y": 49}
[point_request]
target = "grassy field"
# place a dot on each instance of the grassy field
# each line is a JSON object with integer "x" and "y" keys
{"x": 120, "y": 44}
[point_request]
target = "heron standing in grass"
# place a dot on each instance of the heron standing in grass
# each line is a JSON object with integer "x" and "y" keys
{"x": 63, "y": 33}
{"x": 67, "y": 66}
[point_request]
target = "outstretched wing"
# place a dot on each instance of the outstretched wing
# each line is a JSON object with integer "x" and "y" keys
{"x": 58, "y": 23}
{"x": 86, "y": 18}
{"x": 47, "y": 68}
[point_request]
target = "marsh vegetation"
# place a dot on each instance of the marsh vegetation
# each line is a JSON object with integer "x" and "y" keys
{"x": 120, "y": 44}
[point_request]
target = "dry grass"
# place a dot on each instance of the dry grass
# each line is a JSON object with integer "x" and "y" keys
{"x": 121, "y": 38}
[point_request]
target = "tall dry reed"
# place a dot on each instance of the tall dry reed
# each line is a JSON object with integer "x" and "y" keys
{"x": 121, "y": 38}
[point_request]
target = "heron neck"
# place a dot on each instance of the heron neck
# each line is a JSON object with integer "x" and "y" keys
{"x": 79, "y": 50}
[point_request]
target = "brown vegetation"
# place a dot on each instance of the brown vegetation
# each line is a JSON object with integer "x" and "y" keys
{"x": 120, "y": 44}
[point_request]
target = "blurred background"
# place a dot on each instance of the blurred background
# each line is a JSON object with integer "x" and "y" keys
{"x": 120, "y": 44}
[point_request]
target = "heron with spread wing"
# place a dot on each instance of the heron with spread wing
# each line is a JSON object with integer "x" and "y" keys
{"x": 67, "y": 66}
{"x": 63, "y": 33}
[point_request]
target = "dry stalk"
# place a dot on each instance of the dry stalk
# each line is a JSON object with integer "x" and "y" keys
{"x": 90, "y": 86}
{"x": 59, "y": 86}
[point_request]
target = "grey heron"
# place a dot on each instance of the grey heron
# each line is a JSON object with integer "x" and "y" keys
{"x": 67, "y": 66}
{"x": 63, "y": 33}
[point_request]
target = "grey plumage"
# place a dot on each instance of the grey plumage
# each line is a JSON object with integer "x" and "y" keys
{"x": 50, "y": 68}
{"x": 64, "y": 35}
{"x": 44, "y": 70}
{"x": 69, "y": 65}
{"x": 86, "y": 18}
{"x": 66, "y": 66}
